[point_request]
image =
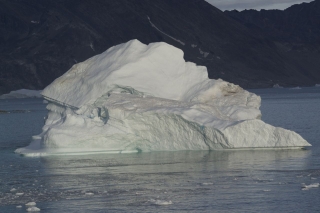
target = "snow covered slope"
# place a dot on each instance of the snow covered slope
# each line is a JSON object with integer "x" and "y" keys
{"x": 136, "y": 97}
{"x": 22, "y": 93}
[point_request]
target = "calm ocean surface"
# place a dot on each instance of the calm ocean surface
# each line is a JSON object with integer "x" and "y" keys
{"x": 189, "y": 181}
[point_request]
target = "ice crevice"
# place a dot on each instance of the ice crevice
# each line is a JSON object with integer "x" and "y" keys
{"x": 140, "y": 98}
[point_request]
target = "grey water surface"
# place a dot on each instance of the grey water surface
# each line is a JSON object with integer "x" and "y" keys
{"x": 185, "y": 181}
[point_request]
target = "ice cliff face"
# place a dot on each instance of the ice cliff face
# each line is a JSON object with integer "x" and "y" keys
{"x": 137, "y": 97}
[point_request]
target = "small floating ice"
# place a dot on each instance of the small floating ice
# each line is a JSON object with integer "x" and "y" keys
{"x": 12, "y": 190}
{"x": 31, "y": 204}
{"x": 20, "y": 193}
{"x": 306, "y": 187}
{"x": 296, "y": 88}
{"x": 19, "y": 206}
{"x": 89, "y": 193}
{"x": 140, "y": 193}
{"x": 161, "y": 202}
{"x": 313, "y": 178}
{"x": 277, "y": 86}
{"x": 267, "y": 190}
{"x": 22, "y": 93}
{"x": 206, "y": 184}
{"x": 33, "y": 209}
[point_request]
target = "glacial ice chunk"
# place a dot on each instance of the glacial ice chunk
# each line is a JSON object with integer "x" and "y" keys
{"x": 277, "y": 86}
{"x": 22, "y": 93}
{"x": 307, "y": 187}
{"x": 31, "y": 204}
{"x": 160, "y": 202}
{"x": 136, "y": 97}
{"x": 33, "y": 209}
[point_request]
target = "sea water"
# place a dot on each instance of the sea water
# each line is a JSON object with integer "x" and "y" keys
{"x": 185, "y": 181}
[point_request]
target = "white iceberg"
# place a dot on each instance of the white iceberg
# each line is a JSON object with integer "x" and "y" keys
{"x": 22, "y": 93}
{"x": 31, "y": 204}
{"x": 136, "y": 97}
{"x": 277, "y": 86}
{"x": 33, "y": 209}
{"x": 160, "y": 202}
{"x": 295, "y": 88}
{"x": 307, "y": 187}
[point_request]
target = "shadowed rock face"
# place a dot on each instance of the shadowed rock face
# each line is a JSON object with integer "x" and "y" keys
{"x": 296, "y": 33}
{"x": 40, "y": 40}
{"x": 297, "y": 24}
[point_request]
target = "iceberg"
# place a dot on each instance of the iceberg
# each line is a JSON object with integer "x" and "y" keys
{"x": 22, "y": 93}
{"x": 141, "y": 98}
{"x": 277, "y": 86}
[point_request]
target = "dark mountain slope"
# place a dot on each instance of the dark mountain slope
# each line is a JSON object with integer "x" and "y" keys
{"x": 298, "y": 23}
{"x": 40, "y": 40}
{"x": 295, "y": 31}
